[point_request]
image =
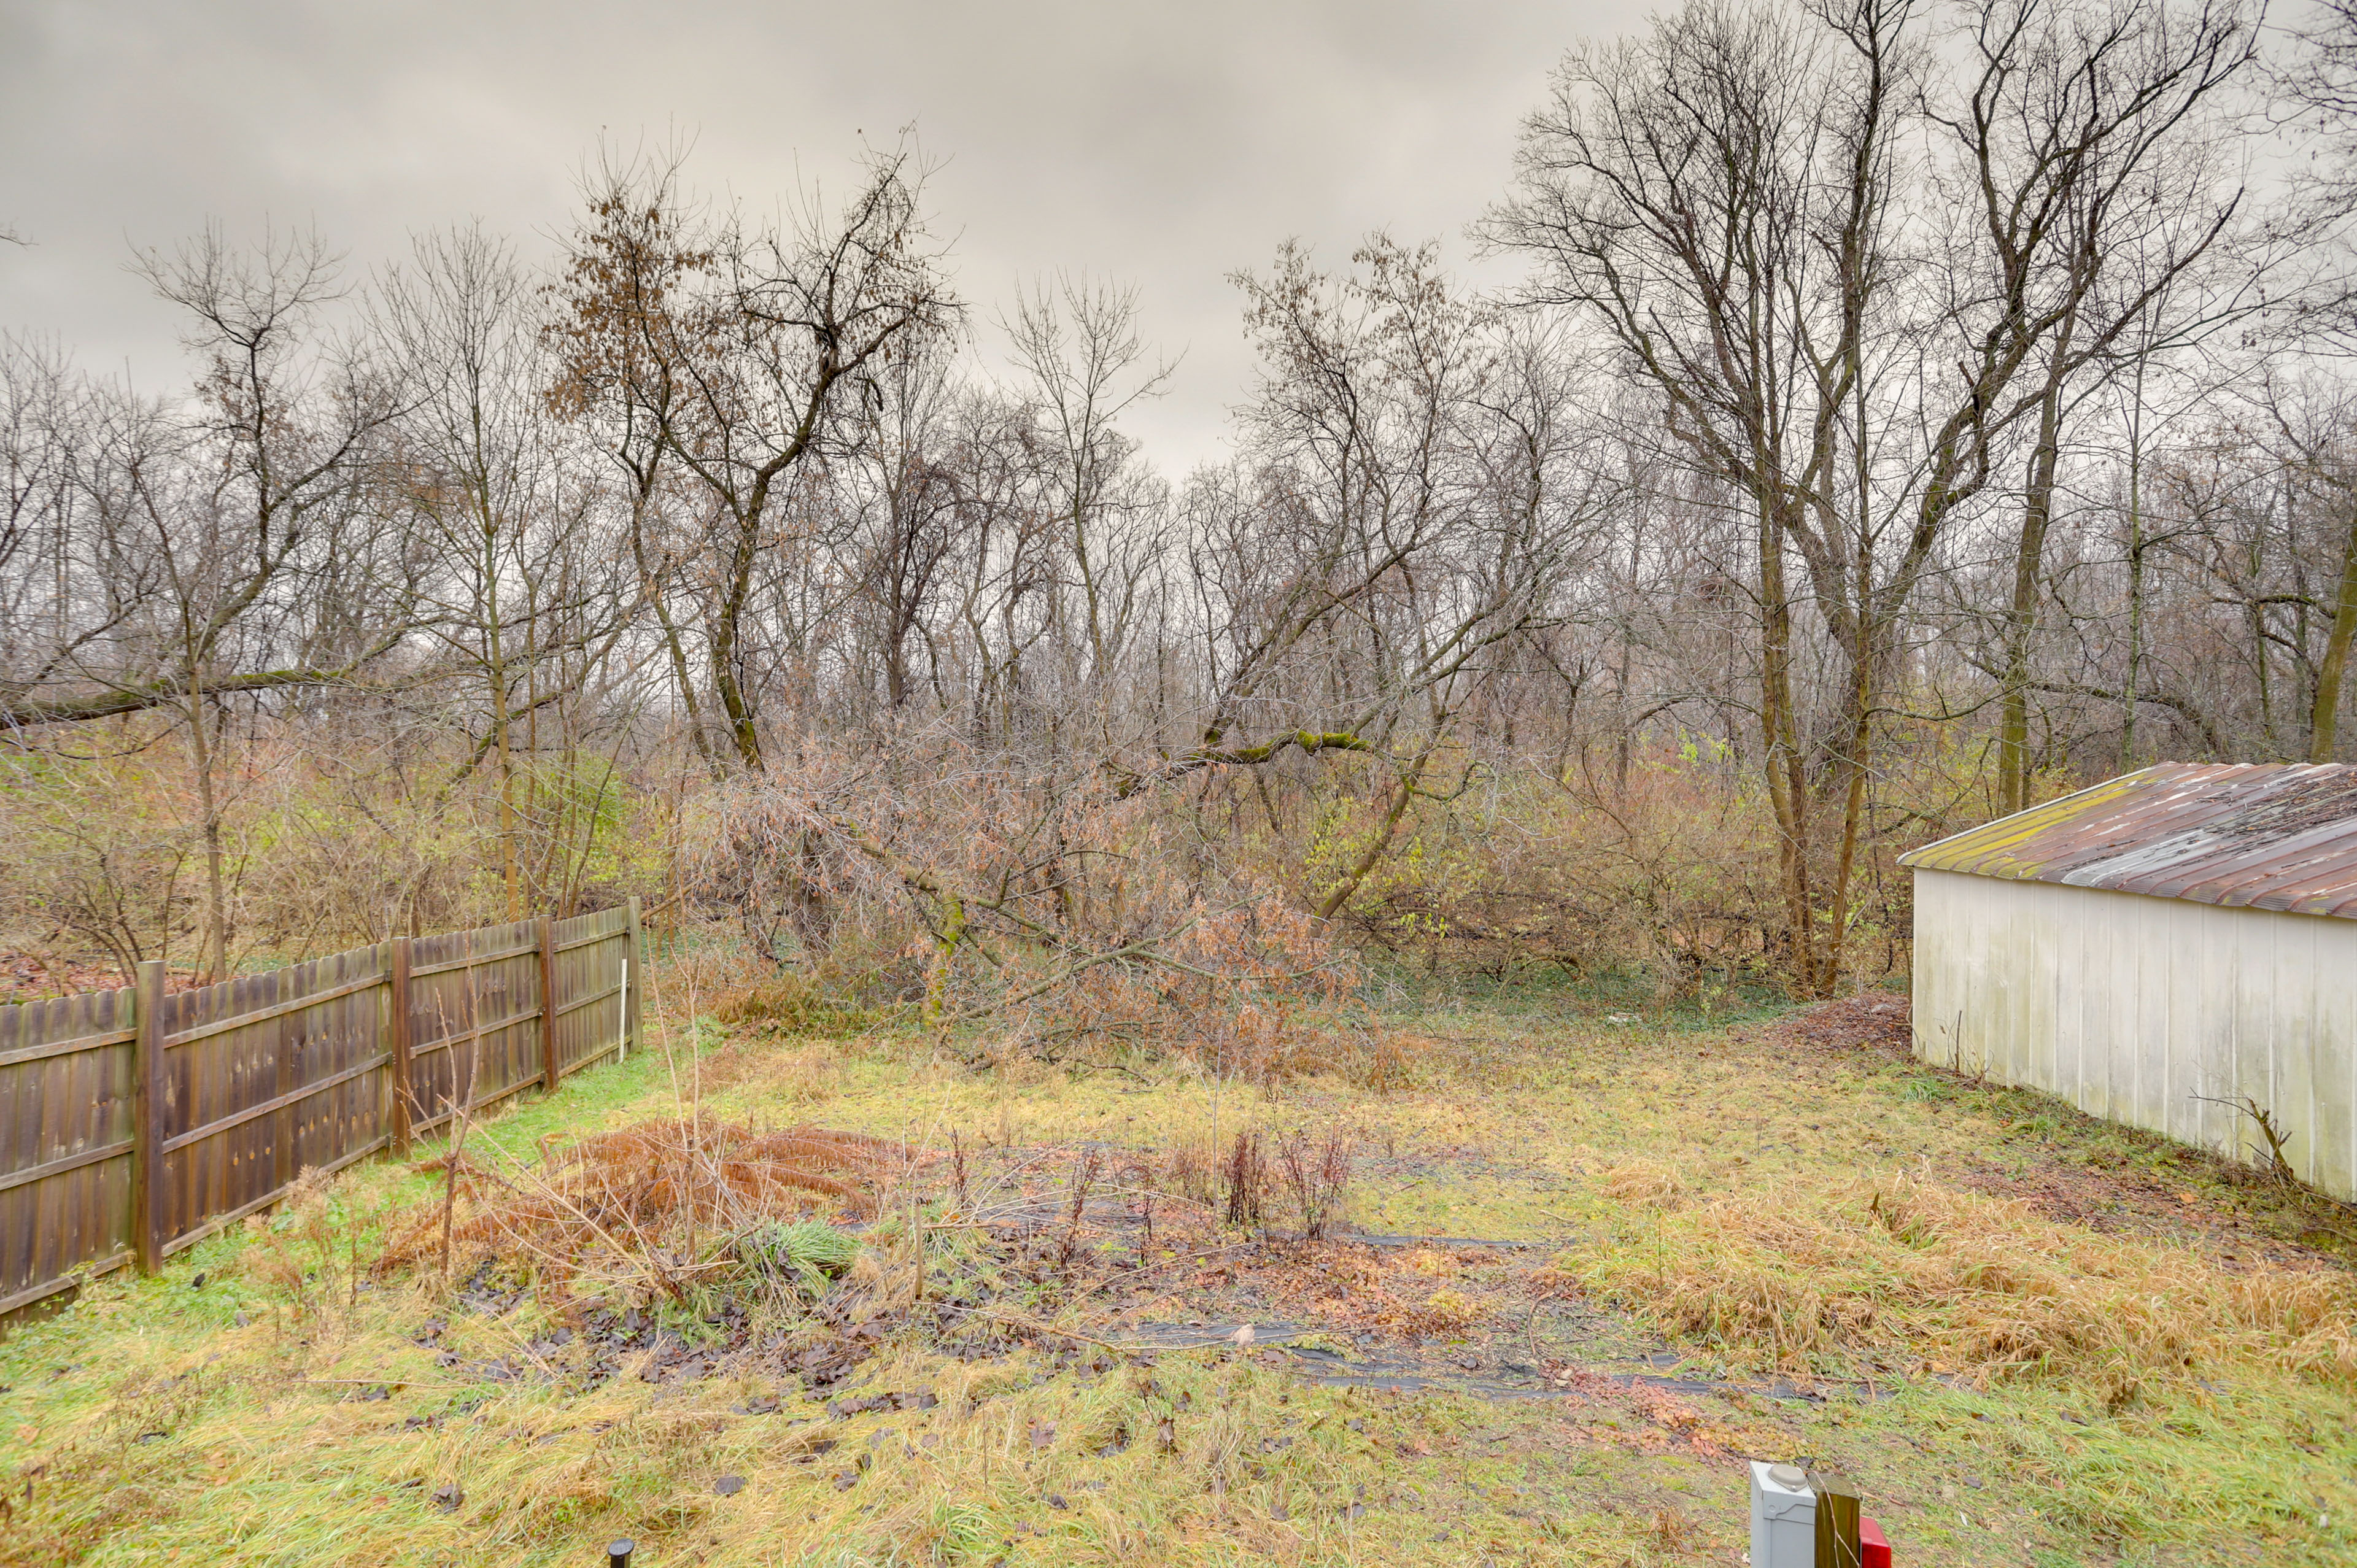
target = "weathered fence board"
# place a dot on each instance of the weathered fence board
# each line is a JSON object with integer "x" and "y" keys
{"x": 266, "y": 1076}
{"x": 127, "y": 1138}
{"x": 591, "y": 979}
{"x": 474, "y": 1018}
{"x": 65, "y": 1140}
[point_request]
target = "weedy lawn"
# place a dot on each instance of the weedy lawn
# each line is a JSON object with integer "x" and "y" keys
{"x": 1573, "y": 1272}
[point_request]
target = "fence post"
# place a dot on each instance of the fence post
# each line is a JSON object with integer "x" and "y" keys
{"x": 633, "y": 984}
{"x": 548, "y": 1003}
{"x": 147, "y": 1106}
{"x": 282, "y": 1122}
{"x": 397, "y": 981}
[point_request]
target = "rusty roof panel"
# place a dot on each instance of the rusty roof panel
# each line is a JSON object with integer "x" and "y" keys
{"x": 2262, "y": 836}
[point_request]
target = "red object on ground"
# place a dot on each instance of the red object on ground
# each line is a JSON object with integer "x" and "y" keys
{"x": 1873, "y": 1547}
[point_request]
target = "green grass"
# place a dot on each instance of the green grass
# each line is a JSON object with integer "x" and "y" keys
{"x": 1689, "y": 1185}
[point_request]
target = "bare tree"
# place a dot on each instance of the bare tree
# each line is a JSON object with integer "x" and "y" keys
{"x": 742, "y": 344}
{"x": 2092, "y": 134}
{"x": 1718, "y": 196}
{"x": 518, "y": 586}
{"x": 247, "y": 519}
{"x": 1084, "y": 366}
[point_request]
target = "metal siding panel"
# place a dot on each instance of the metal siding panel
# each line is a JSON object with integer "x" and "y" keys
{"x": 1986, "y": 1000}
{"x": 2334, "y": 1047}
{"x": 1973, "y": 1005}
{"x": 1927, "y": 981}
{"x": 2124, "y": 1030}
{"x": 2243, "y": 1067}
{"x": 1931, "y": 969}
{"x": 2182, "y": 1042}
{"x": 2038, "y": 1062}
{"x": 2008, "y": 951}
{"x": 2291, "y": 1089}
{"x": 2029, "y": 953}
{"x": 2009, "y": 942}
{"x": 2117, "y": 1010}
{"x": 2139, "y": 1010}
{"x": 2076, "y": 974}
{"x": 2195, "y": 1006}
{"x": 2153, "y": 1025}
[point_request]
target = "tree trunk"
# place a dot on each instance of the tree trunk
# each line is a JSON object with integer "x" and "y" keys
{"x": 2323, "y": 724}
{"x": 1340, "y": 893}
{"x": 495, "y": 664}
{"x": 212, "y": 946}
{"x": 2132, "y": 681}
{"x": 2021, "y": 621}
{"x": 1787, "y": 780}
{"x": 727, "y": 627}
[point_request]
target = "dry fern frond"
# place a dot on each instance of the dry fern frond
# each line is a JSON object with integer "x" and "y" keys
{"x": 636, "y": 1197}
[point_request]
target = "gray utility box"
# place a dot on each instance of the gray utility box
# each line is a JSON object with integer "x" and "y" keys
{"x": 1784, "y": 1517}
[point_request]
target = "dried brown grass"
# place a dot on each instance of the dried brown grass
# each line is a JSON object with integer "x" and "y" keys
{"x": 1646, "y": 1184}
{"x": 807, "y": 1076}
{"x": 1904, "y": 1270}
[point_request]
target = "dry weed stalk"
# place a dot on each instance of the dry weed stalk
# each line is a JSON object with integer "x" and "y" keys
{"x": 461, "y": 1104}
{"x": 1317, "y": 1170}
{"x": 1086, "y": 1171}
{"x": 1246, "y": 1174}
{"x": 2274, "y": 1138}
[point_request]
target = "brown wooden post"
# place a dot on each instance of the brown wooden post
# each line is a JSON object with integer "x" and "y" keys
{"x": 282, "y": 1121}
{"x": 397, "y": 981}
{"x": 548, "y": 1003}
{"x": 149, "y": 1211}
{"x": 634, "y": 985}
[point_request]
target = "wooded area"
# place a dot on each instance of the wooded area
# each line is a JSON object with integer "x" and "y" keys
{"x": 1912, "y": 410}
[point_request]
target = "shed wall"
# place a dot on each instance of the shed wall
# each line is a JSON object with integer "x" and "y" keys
{"x": 2130, "y": 1006}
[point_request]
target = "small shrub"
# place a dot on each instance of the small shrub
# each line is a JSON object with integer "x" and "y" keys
{"x": 639, "y": 1206}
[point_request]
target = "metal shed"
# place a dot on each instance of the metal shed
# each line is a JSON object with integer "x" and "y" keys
{"x": 2179, "y": 937}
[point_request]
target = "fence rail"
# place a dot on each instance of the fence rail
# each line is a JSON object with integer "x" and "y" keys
{"x": 135, "y": 1123}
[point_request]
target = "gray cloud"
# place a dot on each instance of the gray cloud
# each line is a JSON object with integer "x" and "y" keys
{"x": 1164, "y": 146}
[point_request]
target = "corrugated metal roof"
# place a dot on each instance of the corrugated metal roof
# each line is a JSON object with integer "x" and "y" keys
{"x": 2256, "y": 836}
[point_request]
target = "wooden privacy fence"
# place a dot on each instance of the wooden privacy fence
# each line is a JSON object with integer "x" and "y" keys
{"x": 135, "y": 1123}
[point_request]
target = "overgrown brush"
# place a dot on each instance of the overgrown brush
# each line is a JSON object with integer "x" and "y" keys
{"x": 1071, "y": 923}
{"x": 1910, "y": 1274}
{"x": 800, "y": 1004}
{"x": 655, "y": 1207}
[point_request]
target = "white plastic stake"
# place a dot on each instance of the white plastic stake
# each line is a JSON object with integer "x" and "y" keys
{"x": 1784, "y": 1517}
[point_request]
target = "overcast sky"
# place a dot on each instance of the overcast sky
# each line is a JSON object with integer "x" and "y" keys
{"x": 1165, "y": 145}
